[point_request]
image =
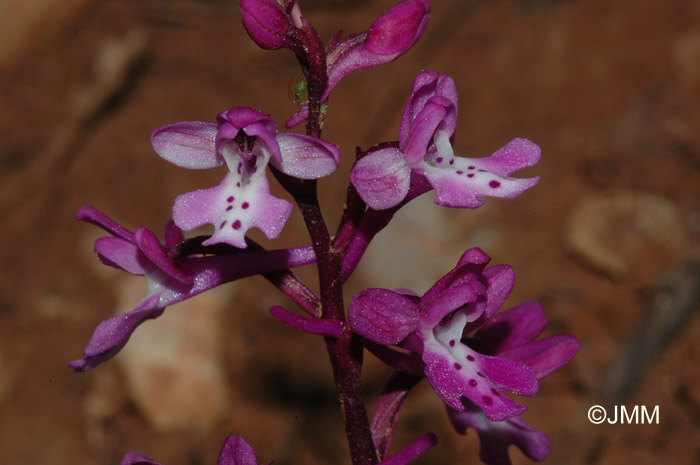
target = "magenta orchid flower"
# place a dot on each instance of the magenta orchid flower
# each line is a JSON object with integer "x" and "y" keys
{"x": 383, "y": 177}
{"x": 501, "y": 356}
{"x": 245, "y": 140}
{"x": 170, "y": 280}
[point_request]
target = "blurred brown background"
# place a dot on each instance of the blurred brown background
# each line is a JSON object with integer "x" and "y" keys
{"x": 607, "y": 241}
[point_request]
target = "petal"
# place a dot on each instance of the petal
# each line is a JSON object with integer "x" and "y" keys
{"x": 496, "y": 436}
{"x": 499, "y": 283}
{"x": 391, "y": 34}
{"x": 387, "y": 409}
{"x": 459, "y": 182}
{"x": 382, "y": 178}
{"x": 508, "y": 374}
{"x": 319, "y": 326}
{"x": 172, "y": 235}
{"x": 460, "y": 286}
{"x": 266, "y": 22}
{"x": 150, "y": 246}
{"x": 382, "y": 316}
{"x": 189, "y": 144}
{"x": 233, "y": 209}
{"x": 94, "y": 216}
{"x": 423, "y": 128}
{"x": 306, "y": 157}
{"x": 512, "y": 328}
{"x": 137, "y": 458}
{"x": 426, "y": 85}
{"x": 300, "y": 115}
{"x": 546, "y": 355}
{"x": 517, "y": 154}
{"x": 236, "y": 451}
{"x": 398, "y": 28}
{"x": 121, "y": 254}
{"x": 412, "y": 451}
{"x": 454, "y": 370}
{"x": 111, "y": 335}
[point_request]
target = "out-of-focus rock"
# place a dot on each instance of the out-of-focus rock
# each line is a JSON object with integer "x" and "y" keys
{"x": 609, "y": 231}
{"x": 173, "y": 364}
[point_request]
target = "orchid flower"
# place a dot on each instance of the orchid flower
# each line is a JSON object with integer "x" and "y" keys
{"x": 245, "y": 140}
{"x": 501, "y": 356}
{"x": 170, "y": 280}
{"x": 383, "y": 177}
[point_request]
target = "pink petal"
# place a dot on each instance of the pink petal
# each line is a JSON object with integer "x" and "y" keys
{"x": 382, "y": 178}
{"x": 306, "y": 157}
{"x": 232, "y": 210}
{"x": 189, "y": 144}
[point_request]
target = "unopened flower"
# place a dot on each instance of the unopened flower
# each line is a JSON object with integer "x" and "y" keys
{"x": 245, "y": 140}
{"x": 383, "y": 177}
{"x": 170, "y": 279}
{"x": 390, "y": 35}
{"x": 502, "y": 355}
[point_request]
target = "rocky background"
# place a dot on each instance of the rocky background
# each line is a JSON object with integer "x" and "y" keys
{"x": 607, "y": 241}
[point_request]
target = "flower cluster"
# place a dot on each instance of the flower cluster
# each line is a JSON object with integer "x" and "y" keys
{"x": 453, "y": 335}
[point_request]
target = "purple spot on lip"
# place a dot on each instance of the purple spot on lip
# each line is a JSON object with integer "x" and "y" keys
{"x": 240, "y": 165}
{"x": 238, "y": 184}
{"x": 495, "y": 392}
{"x": 471, "y": 167}
{"x": 458, "y": 366}
{"x": 460, "y": 171}
{"x": 229, "y": 208}
{"x": 230, "y": 199}
{"x": 221, "y": 226}
{"x": 452, "y": 343}
{"x": 236, "y": 225}
{"x": 245, "y": 205}
{"x": 480, "y": 374}
{"x": 438, "y": 160}
{"x": 494, "y": 184}
{"x": 452, "y": 161}
{"x": 472, "y": 382}
{"x": 470, "y": 175}
{"x": 470, "y": 358}
{"x": 487, "y": 400}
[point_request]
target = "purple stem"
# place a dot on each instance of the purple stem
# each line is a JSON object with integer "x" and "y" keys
{"x": 346, "y": 351}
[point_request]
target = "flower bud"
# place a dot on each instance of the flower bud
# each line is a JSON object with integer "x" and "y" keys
{"x": 266, "y": 21}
